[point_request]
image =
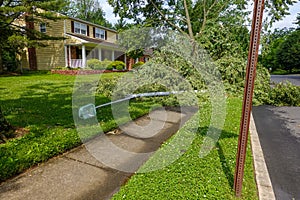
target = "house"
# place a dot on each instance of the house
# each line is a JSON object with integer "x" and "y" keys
{"x": 84, "y": 41}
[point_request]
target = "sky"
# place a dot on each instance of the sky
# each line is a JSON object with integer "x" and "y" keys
{"x": 286, "y": 22}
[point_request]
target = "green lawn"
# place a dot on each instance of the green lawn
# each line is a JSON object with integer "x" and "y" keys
{"x": 191, "y": 177}
{"x": 42, "y": 104}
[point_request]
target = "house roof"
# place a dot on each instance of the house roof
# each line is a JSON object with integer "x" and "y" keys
{"x": 86, "y": 39}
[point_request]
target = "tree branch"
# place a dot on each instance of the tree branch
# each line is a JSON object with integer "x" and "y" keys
{"x": 167, "y": 20}
{"x": 188, "y": 20}
{"x": 206, "y": 13}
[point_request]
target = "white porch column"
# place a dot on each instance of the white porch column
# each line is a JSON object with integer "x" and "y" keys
{"x": 83, "y": 56}
{"x": 66, "y": 56}
{"x": 100, "y": 53}
{"x": 113, "y": 55}
{"x": 70, "y": 57}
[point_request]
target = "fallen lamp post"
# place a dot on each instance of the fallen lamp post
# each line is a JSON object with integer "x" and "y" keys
{"x": 89, "y": 111}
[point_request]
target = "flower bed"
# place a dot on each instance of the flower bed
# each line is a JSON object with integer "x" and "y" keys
{"x": 83, "y": 72}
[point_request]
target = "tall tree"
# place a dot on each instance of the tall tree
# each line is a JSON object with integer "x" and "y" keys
{"x": 88, "y": 10}
{"x": 178, "y": 14}
{"x": 288, "y": 53}
{"x": 271, "y": 43}
{"x": 15, "y": 36}
{"x": 5, "y": 128}
{"x": 298, "y": 21}
{"x": 122, "y": 25}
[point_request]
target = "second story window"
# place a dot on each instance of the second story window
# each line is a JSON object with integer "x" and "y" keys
{"x": 43, "y": 28}
{"x": 80, "y": 28}
{"x": 100, "y": 33}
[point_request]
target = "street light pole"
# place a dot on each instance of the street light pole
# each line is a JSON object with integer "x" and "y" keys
{"x": 248, "y": 94}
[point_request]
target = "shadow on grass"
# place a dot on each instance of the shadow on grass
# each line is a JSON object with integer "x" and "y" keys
{"x": 44, "y": 104}
{"x": 225, "y": 165}
{"x": 222, "y": 154}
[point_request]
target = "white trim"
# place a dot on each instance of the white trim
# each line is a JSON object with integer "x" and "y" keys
{"x": 100, "y": 32}
{"x": 70, "y": 56}
{"x": 81, "y": 28}
{"x": 77, "y": 38}
{"x": 100, "y": 53}
{"x": 43, "y": 27}
{"x": 83, "y": 56}
{"x": 113, "y": 55}
{"x": 66, "y": 56}
{"x": 65, "y": 27}
{"x": 99, "y": 44}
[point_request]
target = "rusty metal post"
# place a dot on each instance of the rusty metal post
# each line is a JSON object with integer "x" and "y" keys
{"x": 248, "y": 94}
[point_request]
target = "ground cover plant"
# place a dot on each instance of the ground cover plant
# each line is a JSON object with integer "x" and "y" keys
{"x": 40, "y": 105}
{"x": 191, "y": 177}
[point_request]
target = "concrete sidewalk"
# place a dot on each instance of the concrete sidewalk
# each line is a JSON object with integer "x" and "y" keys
{"x": 78, "y": 175}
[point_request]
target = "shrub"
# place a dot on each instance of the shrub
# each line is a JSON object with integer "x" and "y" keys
{"x": 262, "y": 86}
{"x": 233, "y": 71}
{"x": 105, "y": 64}
{"x": 119, "y": 65}
{"x": 99, "y": 65}
{"x": 94, "y": 64}
{"x": 138, "y": 64}
{"x": 285, "y": 94}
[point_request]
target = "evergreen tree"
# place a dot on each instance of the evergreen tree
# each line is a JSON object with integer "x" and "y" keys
{"x": 298, "y": 21}
{"x": 15, "y": 36}
{"x": 88, "y": 10}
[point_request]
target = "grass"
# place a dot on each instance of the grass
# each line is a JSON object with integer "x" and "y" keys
{"x": 42, "y": 104}
{"x": 191, "y": 177}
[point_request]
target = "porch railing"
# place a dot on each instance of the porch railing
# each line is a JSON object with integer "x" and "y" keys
{"x": 76, "y": 63}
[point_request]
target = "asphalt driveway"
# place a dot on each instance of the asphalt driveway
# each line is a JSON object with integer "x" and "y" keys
{"x": 279, "y": 133}
{"x": 294, "y": 79}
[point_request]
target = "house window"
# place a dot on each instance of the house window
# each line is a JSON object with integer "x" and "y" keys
{"x": 43, "y": 28}
{"x": 100, "y": 33}
{"x": 80, "y": 28}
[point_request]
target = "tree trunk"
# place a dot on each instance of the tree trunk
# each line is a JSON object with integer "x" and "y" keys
{"x": 6, "y": 130}
{"x": 188, "y": 20}
{"x": 1, "y": 62}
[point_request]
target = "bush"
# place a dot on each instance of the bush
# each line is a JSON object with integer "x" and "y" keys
{"x": 233, "y": 71}
{"x": 109, "y": 67}
{"x": 138, "y": 64}
{"x": 285, "y": 94}
{"x": 99, "y": 65}
{"x": 119, "y": 65}
{"x": 105, "y": 64}
{"x": 262, "y": 86}
{"x": 94, "y": 64}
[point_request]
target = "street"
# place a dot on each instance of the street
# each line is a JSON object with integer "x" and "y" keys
{"x": 279, "y": 133}
{"x": 294, "y": 79}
